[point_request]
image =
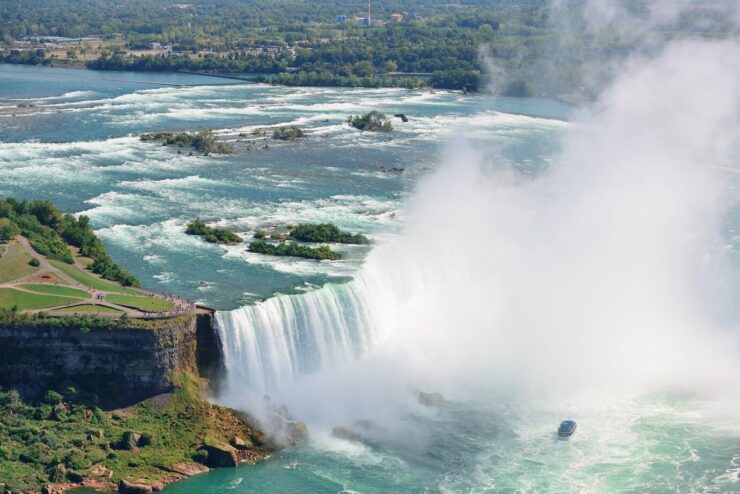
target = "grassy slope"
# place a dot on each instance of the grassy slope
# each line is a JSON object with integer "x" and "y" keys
{"x": 92, "y": 281}
{"x": 61, "y": 291}
{"x": 10, "y": 297}
{"x": 34, "y": 438}
{"x": 91, "y": 309}
{"x": 14, "y": 264}
{"x": 143, "y": 303}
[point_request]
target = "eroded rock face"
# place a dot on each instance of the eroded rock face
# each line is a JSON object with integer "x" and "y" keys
{"x": 221, "y": 455}
{"x": 240, "y": 443}
{"x": 118, "y": 367}
{"x": 126, "y": 487}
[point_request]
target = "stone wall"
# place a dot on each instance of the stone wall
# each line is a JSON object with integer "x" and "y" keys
{"x": 111, "y": 367}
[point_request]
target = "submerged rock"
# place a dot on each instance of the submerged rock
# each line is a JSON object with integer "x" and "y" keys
{"x": 362, "y": 430}
{"x": 347, "y": 433}
{"x": 431, "y": 399}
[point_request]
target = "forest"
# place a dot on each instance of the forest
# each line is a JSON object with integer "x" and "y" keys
{"x": 410, "y": 43}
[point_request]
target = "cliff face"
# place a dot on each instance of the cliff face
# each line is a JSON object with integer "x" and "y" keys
{"x": 111, "y": 367}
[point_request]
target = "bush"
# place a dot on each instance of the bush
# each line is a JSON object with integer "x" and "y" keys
{"x": 147, "y": 439}
{"x": 34, "y": 262}
{"x": 326, "y": 232}
{"x": 126, "y": 442}
{"x": 52, "y": 398}
{"x": 202, "y": 141}
{"x": 288, "y": 133}
{"x": 292, "y": 249}
{"x": 8, "y": 229}
{"x": 213, "y": 235}
{"x": 373, "y": 121}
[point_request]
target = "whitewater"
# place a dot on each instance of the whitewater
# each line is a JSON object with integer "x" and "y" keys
{"x": 602, "y": 289}
{"x": 533, "y": 262}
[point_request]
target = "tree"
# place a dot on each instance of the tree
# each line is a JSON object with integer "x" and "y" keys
{"x": 8, "y": 230}
{"x": 363, "y": 68}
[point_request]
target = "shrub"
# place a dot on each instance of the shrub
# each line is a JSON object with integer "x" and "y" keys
{"x": 126, "y": 442}
{"x": 213, "y": 235}
{"x": 373, "y": 121}
{"x": 292, "y": 249}
{"x": 52, "y": 397}
{"x": 288, "y": 133}
{"x": 8, "y": 229}
{"x": 326, "y": 232}
{"x": 34, "y": 262}
{"x": 147, "y": 439}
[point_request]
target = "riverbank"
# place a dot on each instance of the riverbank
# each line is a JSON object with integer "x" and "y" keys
{"x": 70, "y": 445}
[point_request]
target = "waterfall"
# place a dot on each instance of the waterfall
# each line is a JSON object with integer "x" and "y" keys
{"x": 271, "y": 344}
{"x": 582, "y": 278}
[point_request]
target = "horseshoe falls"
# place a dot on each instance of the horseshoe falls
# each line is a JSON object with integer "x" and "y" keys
{"x": 588, "y": 289}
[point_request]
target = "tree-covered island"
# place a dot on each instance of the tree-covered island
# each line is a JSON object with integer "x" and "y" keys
{"x": 214, "y": 235}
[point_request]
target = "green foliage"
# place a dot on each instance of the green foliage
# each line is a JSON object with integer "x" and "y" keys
{"x": 292, "y": 249}
{"x": 213, "y": 235}
{"x": 373, "y": 121}
{"x": 52, "y": 398}
{"x": 300, "y": 43}
{"x": 203, "y": 141}
{"x": 49, "y": 231}
{"x": 127, "y": 441}
{"x": 105, "y": 267}
{"x": 288, "y": 133}
{"x": 39, "y": 445}
{"x": 11, "y": 317}
{"x": 34, "y": 262}
{"x": 326, "y": 232}
{"x": 8, "y": 229}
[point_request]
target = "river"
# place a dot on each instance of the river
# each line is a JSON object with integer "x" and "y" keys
{"x": 474, "y": 256}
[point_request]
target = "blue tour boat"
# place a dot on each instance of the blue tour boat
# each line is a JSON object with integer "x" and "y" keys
{"x": 567, "y": 428}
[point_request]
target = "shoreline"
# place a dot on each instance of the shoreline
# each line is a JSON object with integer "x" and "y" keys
{"x": 222, "y": 76}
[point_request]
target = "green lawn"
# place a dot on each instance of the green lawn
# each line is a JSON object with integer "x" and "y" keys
{"x": 28, "y": 301}
{"x": 143, "y": 303}
{"x": 93, "y": 309}
{"x": 57, "y": 290}
{"x": 14, "y": 263}
{"x": 92, "y": 281}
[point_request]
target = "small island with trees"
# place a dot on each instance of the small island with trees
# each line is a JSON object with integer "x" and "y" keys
{"x": 293, "y": 249}
{"x": 202, "y": 141}
{"x": 290, "y": 242}
{"x": 326, "y": 232}
{"x": 373, "y": 121}
{"x": 217, "y": 235}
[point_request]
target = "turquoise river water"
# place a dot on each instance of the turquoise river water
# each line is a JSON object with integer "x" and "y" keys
{"x": 455, "y": 294}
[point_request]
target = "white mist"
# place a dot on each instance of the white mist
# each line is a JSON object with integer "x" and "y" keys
{"x": 589, "y": 278}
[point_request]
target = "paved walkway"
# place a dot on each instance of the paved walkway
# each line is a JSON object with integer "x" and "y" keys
{"x": 97, "y": 297}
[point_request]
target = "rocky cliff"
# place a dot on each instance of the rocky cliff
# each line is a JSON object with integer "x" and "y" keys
{"x": 111, "y": 367}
